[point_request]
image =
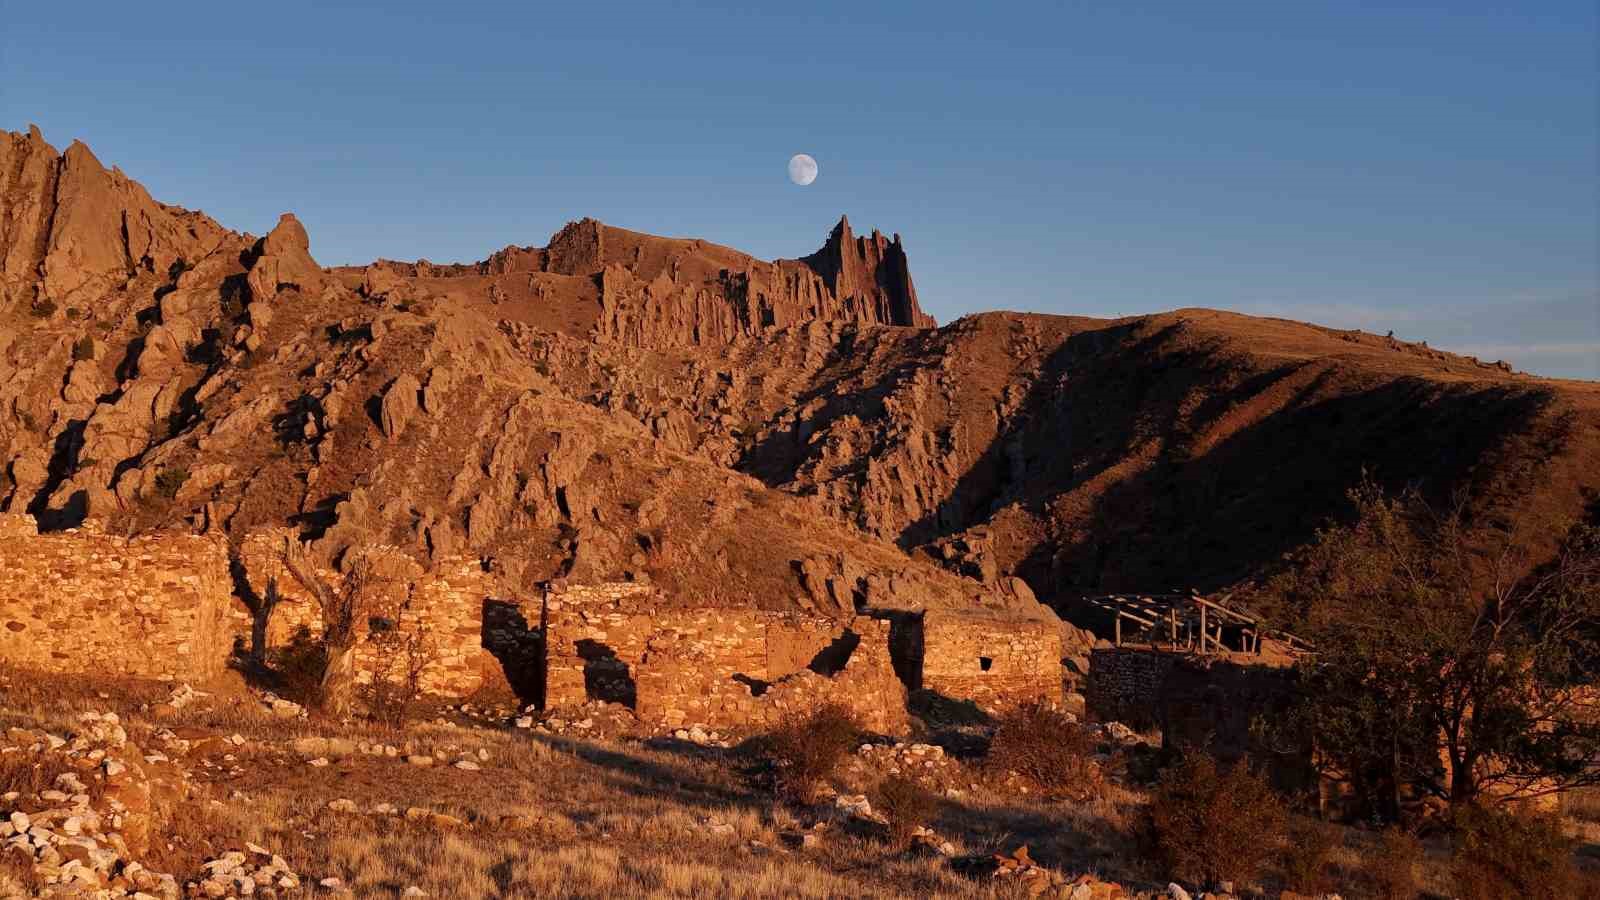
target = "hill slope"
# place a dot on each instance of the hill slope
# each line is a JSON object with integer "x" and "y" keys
{"x": 781, "y": 433}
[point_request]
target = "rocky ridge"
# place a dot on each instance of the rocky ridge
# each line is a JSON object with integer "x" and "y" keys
{"x": 787, "y": 434}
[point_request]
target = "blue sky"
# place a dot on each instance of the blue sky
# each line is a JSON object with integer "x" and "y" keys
{"x": 1426, "y": 168}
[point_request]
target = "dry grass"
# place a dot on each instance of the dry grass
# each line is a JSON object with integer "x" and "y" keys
{"x": 592, "y": 818}
{"x": 905, "y": 806}
{"x": 1583, "y": 805}
{"x": 1396, "y": 866}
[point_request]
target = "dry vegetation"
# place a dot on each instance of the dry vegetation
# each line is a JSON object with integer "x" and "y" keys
{"x": 547, "y": 815}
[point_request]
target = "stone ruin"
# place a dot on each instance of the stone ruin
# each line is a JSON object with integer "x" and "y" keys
{"x": 721, "y": 667}
{"x": 84, "y": 601}
{"x": 178, "y": 606}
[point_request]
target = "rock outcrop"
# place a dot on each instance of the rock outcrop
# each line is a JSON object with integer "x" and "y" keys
{"x": 650, "y": 292}
{"x": 791, "y": 435}
{"x": 70, "y": 229}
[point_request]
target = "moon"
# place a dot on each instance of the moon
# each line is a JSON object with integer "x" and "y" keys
{"x": 802, "y": 169}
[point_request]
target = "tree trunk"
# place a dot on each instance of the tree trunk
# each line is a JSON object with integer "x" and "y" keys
{"x": 339, "y": 681}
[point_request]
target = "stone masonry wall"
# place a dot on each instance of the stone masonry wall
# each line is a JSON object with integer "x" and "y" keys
{"x": 81, "y": 600}
{"x": 1124, "y": 684}
{"x": 991, "y": 660}
{"x": 445, "y": 612}
{"x": 1214, "y": 701}
{"x": 713, "y": 666}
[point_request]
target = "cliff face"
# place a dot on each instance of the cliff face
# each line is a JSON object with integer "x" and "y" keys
{"x": 872, "y": 273}
{"x": 646, "y": 291}
{"x": 789, "y": 434}
{"x": 70, "y": 229}
{"x": 158, "y": 372}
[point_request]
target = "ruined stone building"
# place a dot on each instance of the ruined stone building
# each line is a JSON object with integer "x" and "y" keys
{"x": 179, "y": 606}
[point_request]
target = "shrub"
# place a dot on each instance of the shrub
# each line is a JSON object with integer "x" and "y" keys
{"x": 169, "y": 481}
{"x": 1308, "y": 855}
{"x": 806, "y": 750}
{"x": 73, "y": 313}
{"x": 1502, "y": 854}
{"x": 298, "y": 666}
{"x": 1209, "y": 825}
{"x": 1047, "y": 748}
{"x": 396, "y": 686}
{"x": 1396, "y": 866}
{"x": 43, "y": 308}
{"x": 905, "y": 805}
{"x": 83, "y": 348}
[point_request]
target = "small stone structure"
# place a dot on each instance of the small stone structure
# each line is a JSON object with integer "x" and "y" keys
{"x": 84, "y": 601}
{"x": 1217, "y": 701}
{"x": 623, "y": 642}
{"x": 1124, "y": 684}
{"x": 989, "y": 658}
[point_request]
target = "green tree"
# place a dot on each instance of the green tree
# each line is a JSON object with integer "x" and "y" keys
{"x": 1447, "y": 664}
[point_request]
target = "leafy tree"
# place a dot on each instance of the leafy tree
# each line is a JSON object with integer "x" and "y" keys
{"x": 1447, "y": 663}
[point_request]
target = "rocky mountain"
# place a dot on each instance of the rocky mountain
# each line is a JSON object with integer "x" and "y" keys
{"x": 793, "y": 433}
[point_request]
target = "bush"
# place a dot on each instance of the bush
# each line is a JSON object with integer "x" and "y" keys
{"x": 298, "y": 666}
{"x": 905, "y": 805}
{"x": 1308, "y": 856}
{"x": 43, "y": 308}
{"x": 83, "y": 348}
{"x": 1047, "y": 748}
{"x": 170, "y": 481}
{"x": 1396, "y": 866}
{"x": 1502, "y": 854}
{"x": 396, "y": 686}
{"x": 1209, "y": 825}
{"x": 806, "y": 750}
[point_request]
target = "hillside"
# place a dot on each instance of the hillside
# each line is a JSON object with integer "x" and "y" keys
{"x": 788, "y": 433}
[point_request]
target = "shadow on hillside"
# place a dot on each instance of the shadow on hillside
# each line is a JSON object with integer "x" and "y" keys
{"x": 633, "y": 775}
{"x": 1204, "y": 520}
{"x": 775, "y": 459}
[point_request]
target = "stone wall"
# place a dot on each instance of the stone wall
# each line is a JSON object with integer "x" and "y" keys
{"x": 439, "y": 626}
{"x": 721, "y": 667}
{"x": 1124, "y": 684}
{"x": 81, "y": 600}
{"x": 1219, "y": 702}
{"x": 990, "y": 659}
{"x": 165, "y": 606}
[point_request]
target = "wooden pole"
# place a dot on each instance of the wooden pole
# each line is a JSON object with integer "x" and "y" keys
{"x": 1203, "y": 631}
{"x": 1119, "y": 629}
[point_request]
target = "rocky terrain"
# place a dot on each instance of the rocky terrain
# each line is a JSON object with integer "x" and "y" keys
{"x": 117, "y": 788}
{"x": 786, "y": 436}
{"x": 621, "y": 406}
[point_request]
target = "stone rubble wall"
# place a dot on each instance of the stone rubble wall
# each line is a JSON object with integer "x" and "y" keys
{"x": 1124, "y": 684}
{"x": 81, "y": 600}
{"x": 165, "y": 605}
{"x": 990, "y": 660}
{"x": 717, "y": 667}
{"x": 445, "y": 612}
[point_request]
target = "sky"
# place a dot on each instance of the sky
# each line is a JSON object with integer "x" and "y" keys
{"x": 1423, "y": 168}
